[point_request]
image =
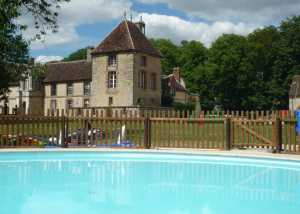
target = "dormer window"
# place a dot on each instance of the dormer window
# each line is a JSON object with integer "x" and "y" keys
{"x": 143, "y": 61}
{"x": 112, "y": 60}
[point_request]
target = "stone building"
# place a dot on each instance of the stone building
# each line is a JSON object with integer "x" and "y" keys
{"x": 123, "y": 70}
{"x": 177, "y": 86}
{"x": 294, "y": 95}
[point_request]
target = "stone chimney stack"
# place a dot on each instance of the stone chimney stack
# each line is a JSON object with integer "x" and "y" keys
{"x": 31, "y": 61}
{"x": 89, "y": 56}
{"x": 176, "y": 74}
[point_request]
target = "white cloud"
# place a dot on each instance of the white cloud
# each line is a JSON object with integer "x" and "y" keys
{"x": 43, "y": 58}
{"x": 176, "y": 29}
{"x": 73, "y": 14}
{"x": 254, "y": 10}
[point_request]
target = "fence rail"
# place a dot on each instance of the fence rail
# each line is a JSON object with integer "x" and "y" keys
{"x": 133, "y": 129}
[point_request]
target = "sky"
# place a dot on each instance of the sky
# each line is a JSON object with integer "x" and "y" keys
{"x": 87, "y": 22}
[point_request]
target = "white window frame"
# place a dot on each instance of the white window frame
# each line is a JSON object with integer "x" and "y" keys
{"x": 113, "y": 60}
{"x": 152, "y": 81}
{"x": 87, "y": 88}
{"x": 173, "y": 90}
{"x": 142, "y": 80}
{"x": 70, "y": 89}
{"x": 143, "y": 61}
{"x": 110, "y": 101}
{"x": 37, "y": 86}
{"x": 112, "y": 80}
{"x": 69, "y": 101}
{"x": 53, "y": 90}
{"x": 86, "y": 103}
{"x": 26, "y": 84}
{"x": 53, "y": 105}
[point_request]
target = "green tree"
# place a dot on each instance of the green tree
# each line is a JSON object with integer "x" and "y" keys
{"x": 170, "y": 52}
{"x": 256, "y": 71}
{"x": 225, "y": 57}
{"x": 12, "y": 63}
{"x": 80, "y": 54}
{"x": 287, "y": 62}
{"x": 194, "y": 55}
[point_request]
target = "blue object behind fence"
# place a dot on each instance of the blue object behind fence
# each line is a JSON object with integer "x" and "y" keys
{"x": 298, "y": 121}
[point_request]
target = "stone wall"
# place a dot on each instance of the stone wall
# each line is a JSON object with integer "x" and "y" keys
{"x": 123, "y": 93}
{"x": 153, "y": 66}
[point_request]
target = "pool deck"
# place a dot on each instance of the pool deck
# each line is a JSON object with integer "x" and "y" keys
{"x": 238, "y": 153}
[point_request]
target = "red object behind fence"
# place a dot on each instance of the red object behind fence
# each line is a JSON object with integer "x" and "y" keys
{"x": 200, "y": 122}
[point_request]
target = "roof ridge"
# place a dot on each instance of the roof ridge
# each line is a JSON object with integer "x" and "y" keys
{"x": 129, "y": 34}
{"x": 56, "y": 63}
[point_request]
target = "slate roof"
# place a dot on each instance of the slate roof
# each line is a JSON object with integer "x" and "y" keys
{"x": 126, "y": 37}
{"x": 293, "y": 89}
{"x": 69, "y": 71}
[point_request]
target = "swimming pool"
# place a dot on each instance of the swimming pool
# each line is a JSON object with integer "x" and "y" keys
{"x": 124, "y": 182}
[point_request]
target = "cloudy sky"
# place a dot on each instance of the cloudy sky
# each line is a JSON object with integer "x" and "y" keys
{"x": 87, "y": 22}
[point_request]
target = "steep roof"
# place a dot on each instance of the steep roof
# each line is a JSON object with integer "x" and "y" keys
{"x": 69, "y": 71}
{"x": 293, "y": 90}
{"x": 126, "y": 37}
{"x": 170, "y": 80}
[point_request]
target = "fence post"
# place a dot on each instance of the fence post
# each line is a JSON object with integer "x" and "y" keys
{"x": 146, "y": 121}
{"x": 228, "y": 132}
{"x": 278, "y": 135}
{"x": 63, "y": 132}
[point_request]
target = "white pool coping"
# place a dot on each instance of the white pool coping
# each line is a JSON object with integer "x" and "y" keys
{"x": 253, "y": 154}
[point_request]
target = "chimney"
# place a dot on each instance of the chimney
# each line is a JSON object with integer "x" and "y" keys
{"x": 89, "y": 56}
{"x": 176, "y": 74}
{"x": 31, "y": 61}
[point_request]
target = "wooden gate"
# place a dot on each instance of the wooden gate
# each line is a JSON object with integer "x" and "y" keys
{"x": 257, "y": 132}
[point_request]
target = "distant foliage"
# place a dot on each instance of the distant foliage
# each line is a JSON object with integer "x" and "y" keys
{"x": 188, "y": 106}
{"x": 80, "y": 54}
{"x": 237, "y": 72}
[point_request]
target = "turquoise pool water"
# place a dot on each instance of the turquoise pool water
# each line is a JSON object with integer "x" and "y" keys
{"x": 94, "y": 182}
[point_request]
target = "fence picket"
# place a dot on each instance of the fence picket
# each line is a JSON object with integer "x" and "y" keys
{"x": 48, "y": 114}
{"x": 263, "y": 126}
{"x": 173, "y": 140}
{"x": 12, "y": 129}
{"x": 135, "y": 127}
{"x": 92, "y": 130}
{"x": 178, "y": 130}
{"x": 38, "y": 129}
{"x": 197, "y": 125}
{"x": 207, "y": 131}
{"x": 257, "y": 127}
{"x": 202, "y": 124}
{"x": 57, "y": 127}
{"x": 193, "y": 127}
{"x": 290, "y": 133}
{"x": 223, "y": 136}
{"x": 52, "y": 115}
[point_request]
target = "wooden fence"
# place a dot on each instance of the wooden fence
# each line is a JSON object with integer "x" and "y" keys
{"x": 151, "y": 129}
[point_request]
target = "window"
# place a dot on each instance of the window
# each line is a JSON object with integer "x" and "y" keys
{"x": 173, "y": 90}
{"x": 143, "y": 61}
{"x": 86, "y": 103}
{"x": 26, "y": 84}
{"x": 70, "y": 89}
{"x": 152, "y": 100}
{"x": 53, "y": 105}
{"x": 53, "y": 90}
{"x": 112, "y": 80}
{"x": 87, "y": 88}
{"x": 37, "y": 86}
{"x": 110, "y": 101}
{"x": 69, "y": 103}
{"x": 152, "y": 77}
{"x": 142, "y": 80}
{"x": 112, "y": 60}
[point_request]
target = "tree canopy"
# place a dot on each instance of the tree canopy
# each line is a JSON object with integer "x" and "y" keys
{"x": 14, "y": 63}
{"x": 238, "y": 72}
{"x": 80, "y": 54}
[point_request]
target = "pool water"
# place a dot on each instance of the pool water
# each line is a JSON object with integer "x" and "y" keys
{"x": 111, "y": 182}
